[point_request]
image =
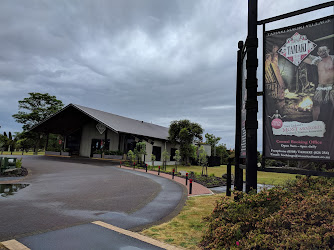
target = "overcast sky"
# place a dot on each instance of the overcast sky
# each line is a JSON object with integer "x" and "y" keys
{"x": 151, "y": 60}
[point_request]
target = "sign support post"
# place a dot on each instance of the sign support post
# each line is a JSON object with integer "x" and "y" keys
{"x": 238, "y": 173}
{"x": 251, "y": 104}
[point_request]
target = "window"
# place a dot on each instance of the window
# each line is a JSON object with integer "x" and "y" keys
{"x": 157, "y": 152}
{"x": 172, "y": 154}
{"x": 130, "y": 145}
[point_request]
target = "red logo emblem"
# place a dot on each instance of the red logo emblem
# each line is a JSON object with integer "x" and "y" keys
{"x": 276, "y": 123}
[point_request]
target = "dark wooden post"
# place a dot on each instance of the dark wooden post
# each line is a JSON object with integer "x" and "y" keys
{"x": 251, "y": 104}
{"x": 64, "y": 142}
{"x": 47, "y": 142}
{"x": 238, "y": 173}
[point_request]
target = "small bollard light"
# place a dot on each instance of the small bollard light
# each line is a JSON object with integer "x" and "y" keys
{"x": 146, "y": 167}
{"x": 186, "y": 179}
{"x": 159, "y": 171}
{"x": 134, "y": 165}
{"x": 120, "y": 164}
{"x": 190, "y": 186}
{"x": 173, "y": 172}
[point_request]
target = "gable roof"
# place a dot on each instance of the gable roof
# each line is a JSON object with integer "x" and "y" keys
{"x": 72, "y": 114}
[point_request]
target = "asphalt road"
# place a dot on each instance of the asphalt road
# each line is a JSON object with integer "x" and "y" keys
{"x": 68, "y": 193}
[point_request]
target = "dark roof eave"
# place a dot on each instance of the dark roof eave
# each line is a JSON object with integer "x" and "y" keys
{"x": 95, "y": 119}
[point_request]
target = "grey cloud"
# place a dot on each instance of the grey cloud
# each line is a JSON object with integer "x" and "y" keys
{"x": 151, "y": 60}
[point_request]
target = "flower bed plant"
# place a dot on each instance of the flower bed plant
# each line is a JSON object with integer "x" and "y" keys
{"x": 109, "y": 154}
{"x": 297, "y": 216}
{"x": 209, "y": 181}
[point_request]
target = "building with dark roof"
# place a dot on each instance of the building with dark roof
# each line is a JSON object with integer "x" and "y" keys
{"x": 86, "y": 130}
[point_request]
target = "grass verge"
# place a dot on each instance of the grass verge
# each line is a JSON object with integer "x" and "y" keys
{"x": 20, "y": 153}
{"x": 186, "y": 229}
{"x": 263, "y": 177}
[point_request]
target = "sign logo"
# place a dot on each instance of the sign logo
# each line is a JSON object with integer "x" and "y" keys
{"x": 276, "y": 123}
{"x": 297, "y": 48}
{"x": 101, "y": 128}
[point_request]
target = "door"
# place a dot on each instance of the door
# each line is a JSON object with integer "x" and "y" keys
{"x": 99, "y": 144}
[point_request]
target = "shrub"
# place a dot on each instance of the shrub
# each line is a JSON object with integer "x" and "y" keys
{"x": 111, "y": 152}
{"x": 131, "y": 156}
{"x": 18, "y": 163}
{"x": 297, "y": 216}
{"x": 54, "y": 148}
{"x": 153, "y": 158}
{"x": 98, "y": 151}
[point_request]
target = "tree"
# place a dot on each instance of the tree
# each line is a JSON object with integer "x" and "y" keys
{"x": 4, "y": 140}
{"x": 202, "y": 159}
{"x": 213, "y": 141}
{"x": 140, "y": 150}
{"x": 8, "y": 142}
{"x": 185, "y": 133}
{"x": 177, "y": 157}
{"x": 165, "y": 157}
{"x": 202, "y": 156}
{"x": 131, "y": 156}
{"x": 38, "y": 107}
{"x": 194, "y": 154}
{"x": 2, "y": 143}
{"x": 153, "y": 158}
{"x": 34, "y": 109}
{"x": 221, "y": 151}
{"x": 11, "y": 142}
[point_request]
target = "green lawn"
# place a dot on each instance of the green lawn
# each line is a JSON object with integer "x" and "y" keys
{"x": 186, "y": 229}
{"x": 263, "y": 177}
{"x": 20, "y": 153}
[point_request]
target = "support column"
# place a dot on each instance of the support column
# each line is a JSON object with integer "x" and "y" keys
{"x": 106, "y": 139}
{"x": 238, "y": 173}
{"x": 47, "y": 142}
{"x": 251, "y": 104}
{"x": 64, "y": 144}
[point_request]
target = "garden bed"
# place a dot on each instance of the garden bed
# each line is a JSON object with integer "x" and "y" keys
{"x": 207, "y": 181}
{"x": 19, "y": 172}
{"x": 52, "y": 153}
{"x": 116, "y": 157}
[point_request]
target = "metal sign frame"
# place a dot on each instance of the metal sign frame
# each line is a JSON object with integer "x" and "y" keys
{"x": 263, "y": 23}
{"x": 250, "y": 48}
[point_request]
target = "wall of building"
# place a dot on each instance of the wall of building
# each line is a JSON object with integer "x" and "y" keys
{"x": 164, "y": 145}
{"x": 89, "y": 132}
{"x": 207, "y": 149}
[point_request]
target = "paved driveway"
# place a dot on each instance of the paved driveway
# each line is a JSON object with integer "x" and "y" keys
{"x": 65, "y": 192}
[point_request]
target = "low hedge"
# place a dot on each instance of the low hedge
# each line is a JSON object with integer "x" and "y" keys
{"x": 297, "y": 216}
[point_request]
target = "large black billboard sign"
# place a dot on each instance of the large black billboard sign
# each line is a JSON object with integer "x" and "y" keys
{"x": 299, "y": 92}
